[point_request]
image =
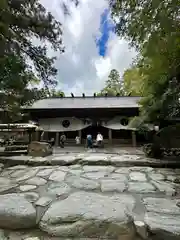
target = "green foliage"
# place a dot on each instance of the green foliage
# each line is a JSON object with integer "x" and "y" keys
{"x": 113, "y": 85}
{"x": 133, "y": 82}
{"x": 153, "y": 150}
{"x": 153, "y": 27}
{"x": 25, "y": 29}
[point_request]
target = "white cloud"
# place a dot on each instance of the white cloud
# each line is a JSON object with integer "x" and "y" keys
{"x": 81, "y": 69}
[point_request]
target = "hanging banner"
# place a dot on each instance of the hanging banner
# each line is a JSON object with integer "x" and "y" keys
{"x": 62, "y": 124}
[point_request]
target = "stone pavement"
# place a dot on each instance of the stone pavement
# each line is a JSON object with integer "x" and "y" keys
{"x": 89, "y": 202}
{"x": 115, "y": 157}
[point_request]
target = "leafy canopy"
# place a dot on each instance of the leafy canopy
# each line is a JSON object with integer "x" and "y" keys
{"x": 153, "y": 28}
{"x": 25, "y": 30}
{"x": 113, "y": 85}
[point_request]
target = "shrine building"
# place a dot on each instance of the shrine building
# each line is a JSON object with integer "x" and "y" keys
{"x": 79, "y": 116}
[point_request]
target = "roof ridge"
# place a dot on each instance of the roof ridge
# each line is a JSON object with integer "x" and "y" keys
{"x": 91, "y": 97}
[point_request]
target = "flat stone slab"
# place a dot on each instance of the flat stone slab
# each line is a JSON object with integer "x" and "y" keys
{"x": 162, "y": 205}
{"x": 141, "y": 187}
{"x": 164, "y": 226}
{"x": 82, "y": 183}
{"x": 64, "y": 159}
{"x": 43, "y": 201}
{"x": 112, "y": 185}
{"x": 118, "y": 159}
{"x": 57, "y": 176}
{"x": 6, "y": 184}
{"x": 138, "y": 176}
{"x": 44, "y": 172}
{"x": 95, "y": 158}
{"x": 162, "y": 217}
{"x": 16, "y": 212}
{"x": 165, "y": 187}
{"x": 58, "y": 189}
{"x": 38, "y": 181}
{"x": 107, "y": 169}
{"x": 85, "y": 214}
{"x": 25, "y": 188}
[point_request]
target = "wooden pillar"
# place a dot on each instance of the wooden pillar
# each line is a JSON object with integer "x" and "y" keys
{"x": 110, "y": 136}
{"x": 36, "y": 136}
{"x": 80, "y": 135}
{"x": 57, "y": 139}
{"x": 134, "y": 138}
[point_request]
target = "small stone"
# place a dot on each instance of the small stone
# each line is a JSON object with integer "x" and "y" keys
{"x": 141, "y": 229}
{"x": 44, "y": 173}
{"x": 43, "y": 201}
{"x": 141, "y": 187}
{"x": 138, "y": 176}
{"x": 25, "y": 188}
{"x": 58, "y": 189}
{"x": 57, "y": 176}
{"x": 38, "y": 181}
{"x": 108, "y": 185}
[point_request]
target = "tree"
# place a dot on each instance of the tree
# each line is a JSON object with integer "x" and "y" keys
{"x": 133, "y": 81}
{"x": 113, "y": 85}
{"x": 153, "y": 28}
{"x": 25, "y": 29}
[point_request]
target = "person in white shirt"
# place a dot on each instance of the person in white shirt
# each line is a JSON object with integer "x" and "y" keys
{"x": 77, "y": 139}
{"x": 99, "y": 139}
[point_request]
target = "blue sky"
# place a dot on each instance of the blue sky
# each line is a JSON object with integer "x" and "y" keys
{"x": 106, "y": 26}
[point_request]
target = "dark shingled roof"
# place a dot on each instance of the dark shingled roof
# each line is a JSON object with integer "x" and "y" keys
{"x": 86, "y": 102}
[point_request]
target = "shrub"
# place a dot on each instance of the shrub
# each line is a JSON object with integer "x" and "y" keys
{"x": 153, "y": 150}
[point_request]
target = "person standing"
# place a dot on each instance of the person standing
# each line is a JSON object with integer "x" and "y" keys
{"x": 62, "y": 140}
{"x": 78, "y": 140}
{"x": 99, "y": 139}
{"x": 89, "y": 141}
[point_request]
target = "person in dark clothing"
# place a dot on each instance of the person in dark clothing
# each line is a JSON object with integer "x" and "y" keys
{"x": 62, "y": 140}
{"x": 89, "y": 141}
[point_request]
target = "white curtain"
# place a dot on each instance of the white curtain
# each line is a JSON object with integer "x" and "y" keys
{"x": 55, "y": 124}
{"x": 115, "y": 124}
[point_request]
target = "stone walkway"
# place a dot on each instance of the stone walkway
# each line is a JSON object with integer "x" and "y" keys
{"x": 89, "y": 202}
{"x": 122, "y": 158}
